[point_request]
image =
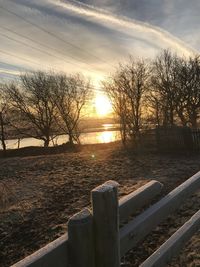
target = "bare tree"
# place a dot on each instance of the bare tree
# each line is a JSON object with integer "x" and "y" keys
{"x": 154, "y": 102}
{"x": 70, "y": 96}
{"x": 126, "y": 89}
{"x": 187, "y": 93}
{"x": 183, "y": 84}
{"x": 164, "y": 78}
{"x": 32, "y": 100}
{"x": 119, "y": 101}
{"x": 192, "y": 88}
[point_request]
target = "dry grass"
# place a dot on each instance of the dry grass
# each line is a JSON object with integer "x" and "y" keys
{"x": 49, "y": 189}
{"x": 6, "y": 195}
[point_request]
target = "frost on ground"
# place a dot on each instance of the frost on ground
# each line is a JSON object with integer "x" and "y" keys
{"x": 44, "y": 191}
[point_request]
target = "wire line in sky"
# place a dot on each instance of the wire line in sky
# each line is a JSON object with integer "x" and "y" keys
{"x": 46, "y": 46}
{"x": 38, "y": 49}
{"x": 55, "y": 36}
{"x": 19, "y": 57}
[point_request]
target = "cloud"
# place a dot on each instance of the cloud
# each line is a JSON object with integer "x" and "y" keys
{"x": 148, "y": 31}
{"x": 72, "y": 36}
{"x": 179, "y": 17}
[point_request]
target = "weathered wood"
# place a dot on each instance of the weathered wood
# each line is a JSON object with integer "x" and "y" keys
{"x": 138, "y": 199}
{"x": 162, "y": 256}
{"x": 53, "y": 254}
{"x": 143, "y": 224}
{"x": 81, "y": 240}
{"x": 106, "y": 225}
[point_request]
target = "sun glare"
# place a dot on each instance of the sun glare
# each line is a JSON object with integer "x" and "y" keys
{"x": 107, "y": 137}
{"x": 102, "y": 105}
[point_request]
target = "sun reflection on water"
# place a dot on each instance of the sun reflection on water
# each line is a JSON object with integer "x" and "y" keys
{"x": 106, "y": 137}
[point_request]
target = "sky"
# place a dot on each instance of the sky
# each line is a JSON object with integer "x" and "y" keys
{"x": 92, "y": 36}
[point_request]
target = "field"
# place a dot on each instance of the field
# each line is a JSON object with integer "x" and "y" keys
{"x": 40, "y": 193}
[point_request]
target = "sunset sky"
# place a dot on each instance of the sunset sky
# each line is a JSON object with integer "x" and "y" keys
{"x": 92, "y": 36}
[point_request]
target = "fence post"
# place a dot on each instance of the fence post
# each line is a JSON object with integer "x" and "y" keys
{"x": 81, "y": 240}
{"x": 106, "y": 224}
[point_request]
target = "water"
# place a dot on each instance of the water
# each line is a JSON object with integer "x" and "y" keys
{"x": 94, "y": 137}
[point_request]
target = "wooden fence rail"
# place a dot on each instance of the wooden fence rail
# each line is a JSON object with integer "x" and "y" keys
{"x": 95, "y": 239}
{"x": 53, "y": 254}
{"x": 135, "y": 231}
{"x": 136, "y": 200}
{"x": 164, "y": 254}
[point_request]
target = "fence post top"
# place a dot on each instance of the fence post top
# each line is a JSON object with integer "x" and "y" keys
{"x": 82, "y": 217}
{"x": 106, "y": 187}
{"x": 112, "y": 183}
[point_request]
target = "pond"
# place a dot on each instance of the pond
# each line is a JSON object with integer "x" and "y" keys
{"x": 103, "y": 134}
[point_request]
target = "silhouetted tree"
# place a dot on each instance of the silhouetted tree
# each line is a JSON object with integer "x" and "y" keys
{"x": 164, "y": 78}
{"x": 154, "y": 102}
{"x": 119, "y": 103}
{"x": 126, "y": 89}
{"x": 33, "y": 102}
{"x": 191, "y": 89}
{"x": 187, "y": 90}
{"x": 70, "y": 96}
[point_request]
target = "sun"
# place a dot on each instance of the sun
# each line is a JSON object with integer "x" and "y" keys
{"x": 102, "y": 105}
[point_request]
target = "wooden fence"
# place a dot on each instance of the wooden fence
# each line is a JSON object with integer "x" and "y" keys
{"x": 174, "y": 139}
{"x": 95, "y": 238}
{"x": 196, "y": 138}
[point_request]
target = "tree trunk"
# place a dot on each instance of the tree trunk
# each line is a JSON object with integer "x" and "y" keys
{"x": 157, "y": 115}
{"x": 123, "y": 130}
{"x": 182, "y": 117}
{"x": 46, "y": 142}
{"x": 2, "y": 132}
{"x": 165, "y": 117}
{"x": 193, "y": 119}
{"x": 71, "y": 138}
{"x": 18, "y": 143}
{"x": 123, "y": 135}
{"x": 171, "y": 115}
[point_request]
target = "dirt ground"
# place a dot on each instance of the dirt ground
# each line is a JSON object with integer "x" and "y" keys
{"x": 40, "y": 193}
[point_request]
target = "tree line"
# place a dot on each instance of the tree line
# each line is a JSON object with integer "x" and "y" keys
{"x": 43, "y": 105}
{"x": 164, "y": 91}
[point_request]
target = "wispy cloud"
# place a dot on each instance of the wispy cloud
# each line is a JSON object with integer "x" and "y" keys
{"x": 72, "y": 36}
{"x": 123, "y": 24}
